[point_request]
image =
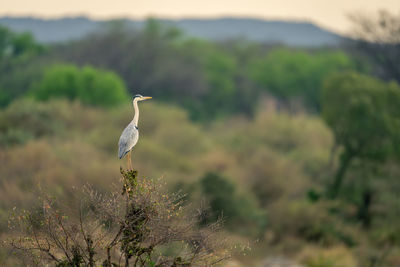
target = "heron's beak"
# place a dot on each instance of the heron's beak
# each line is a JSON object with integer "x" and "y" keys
{"x": 147, "y": 97}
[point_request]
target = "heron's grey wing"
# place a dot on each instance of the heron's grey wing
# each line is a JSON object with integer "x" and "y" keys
{"x": 127, "y": 140}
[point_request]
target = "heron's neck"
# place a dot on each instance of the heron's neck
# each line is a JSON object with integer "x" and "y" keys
{"x": 136, "y": 116}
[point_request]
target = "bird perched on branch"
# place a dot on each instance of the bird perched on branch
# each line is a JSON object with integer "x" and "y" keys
{"x": 130, "y": 135}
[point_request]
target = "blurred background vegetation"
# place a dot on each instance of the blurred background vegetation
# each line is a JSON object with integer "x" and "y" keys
{"x": 296, "y": 148}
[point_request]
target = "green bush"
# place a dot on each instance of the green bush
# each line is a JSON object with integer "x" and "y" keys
{"x": 90, "y": 85}
{"x": 27, "y": 119}
{"x": 240, "y": 212}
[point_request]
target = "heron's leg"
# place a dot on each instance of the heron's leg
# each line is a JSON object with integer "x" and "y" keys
{"x": 129, "y": 161}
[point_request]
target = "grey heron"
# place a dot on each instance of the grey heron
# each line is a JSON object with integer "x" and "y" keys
{"x": 130, "y": 135}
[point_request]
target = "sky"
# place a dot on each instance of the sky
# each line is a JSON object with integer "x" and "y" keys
{"x": 331, "y": 14}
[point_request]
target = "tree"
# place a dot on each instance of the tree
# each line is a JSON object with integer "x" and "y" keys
{"x": 14, "y": 46}
{"x": 206, "y": 78}
{"x": 89, "y": 85}
{"x": 17, "y": 52}
{"x": 377, "y": 39}
{"x": 364, "y": 117}
{"x": 218, "y": 71}
{"x": 296, "y": 74}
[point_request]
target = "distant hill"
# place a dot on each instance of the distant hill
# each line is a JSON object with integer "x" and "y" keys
{"x": 303, "y": 34}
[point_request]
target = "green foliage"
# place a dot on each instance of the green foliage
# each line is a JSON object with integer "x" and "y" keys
{"x": 364, "y": 117}
{"x": 272, "y": 161}
{"x": 15, "y": 82}
{"x": 277, "y": 162}
{"x": 297, "y": 74}
{"x": 203, "y": 77}
{"x": 89, "y": 85}
{"x": 363, "y": 114}
{"x": 17, "y": 51}
{"x": 16, "y": 46}
{"x": 210, "y": 80}
{"x": 239, "y": 211}
{"x": 26, "y": 119}
{"x": 220, "y": 70}
{"x": 222, "y": 196}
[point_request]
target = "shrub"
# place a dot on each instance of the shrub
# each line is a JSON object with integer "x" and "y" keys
{"x": 240, "y": 211}
{"x": 90, "y": 85}
{"x": 25, "y": 119}
{"x": 142, "y": 226}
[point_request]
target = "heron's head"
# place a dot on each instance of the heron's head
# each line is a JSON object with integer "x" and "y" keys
{"x": 140, "y": 98}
